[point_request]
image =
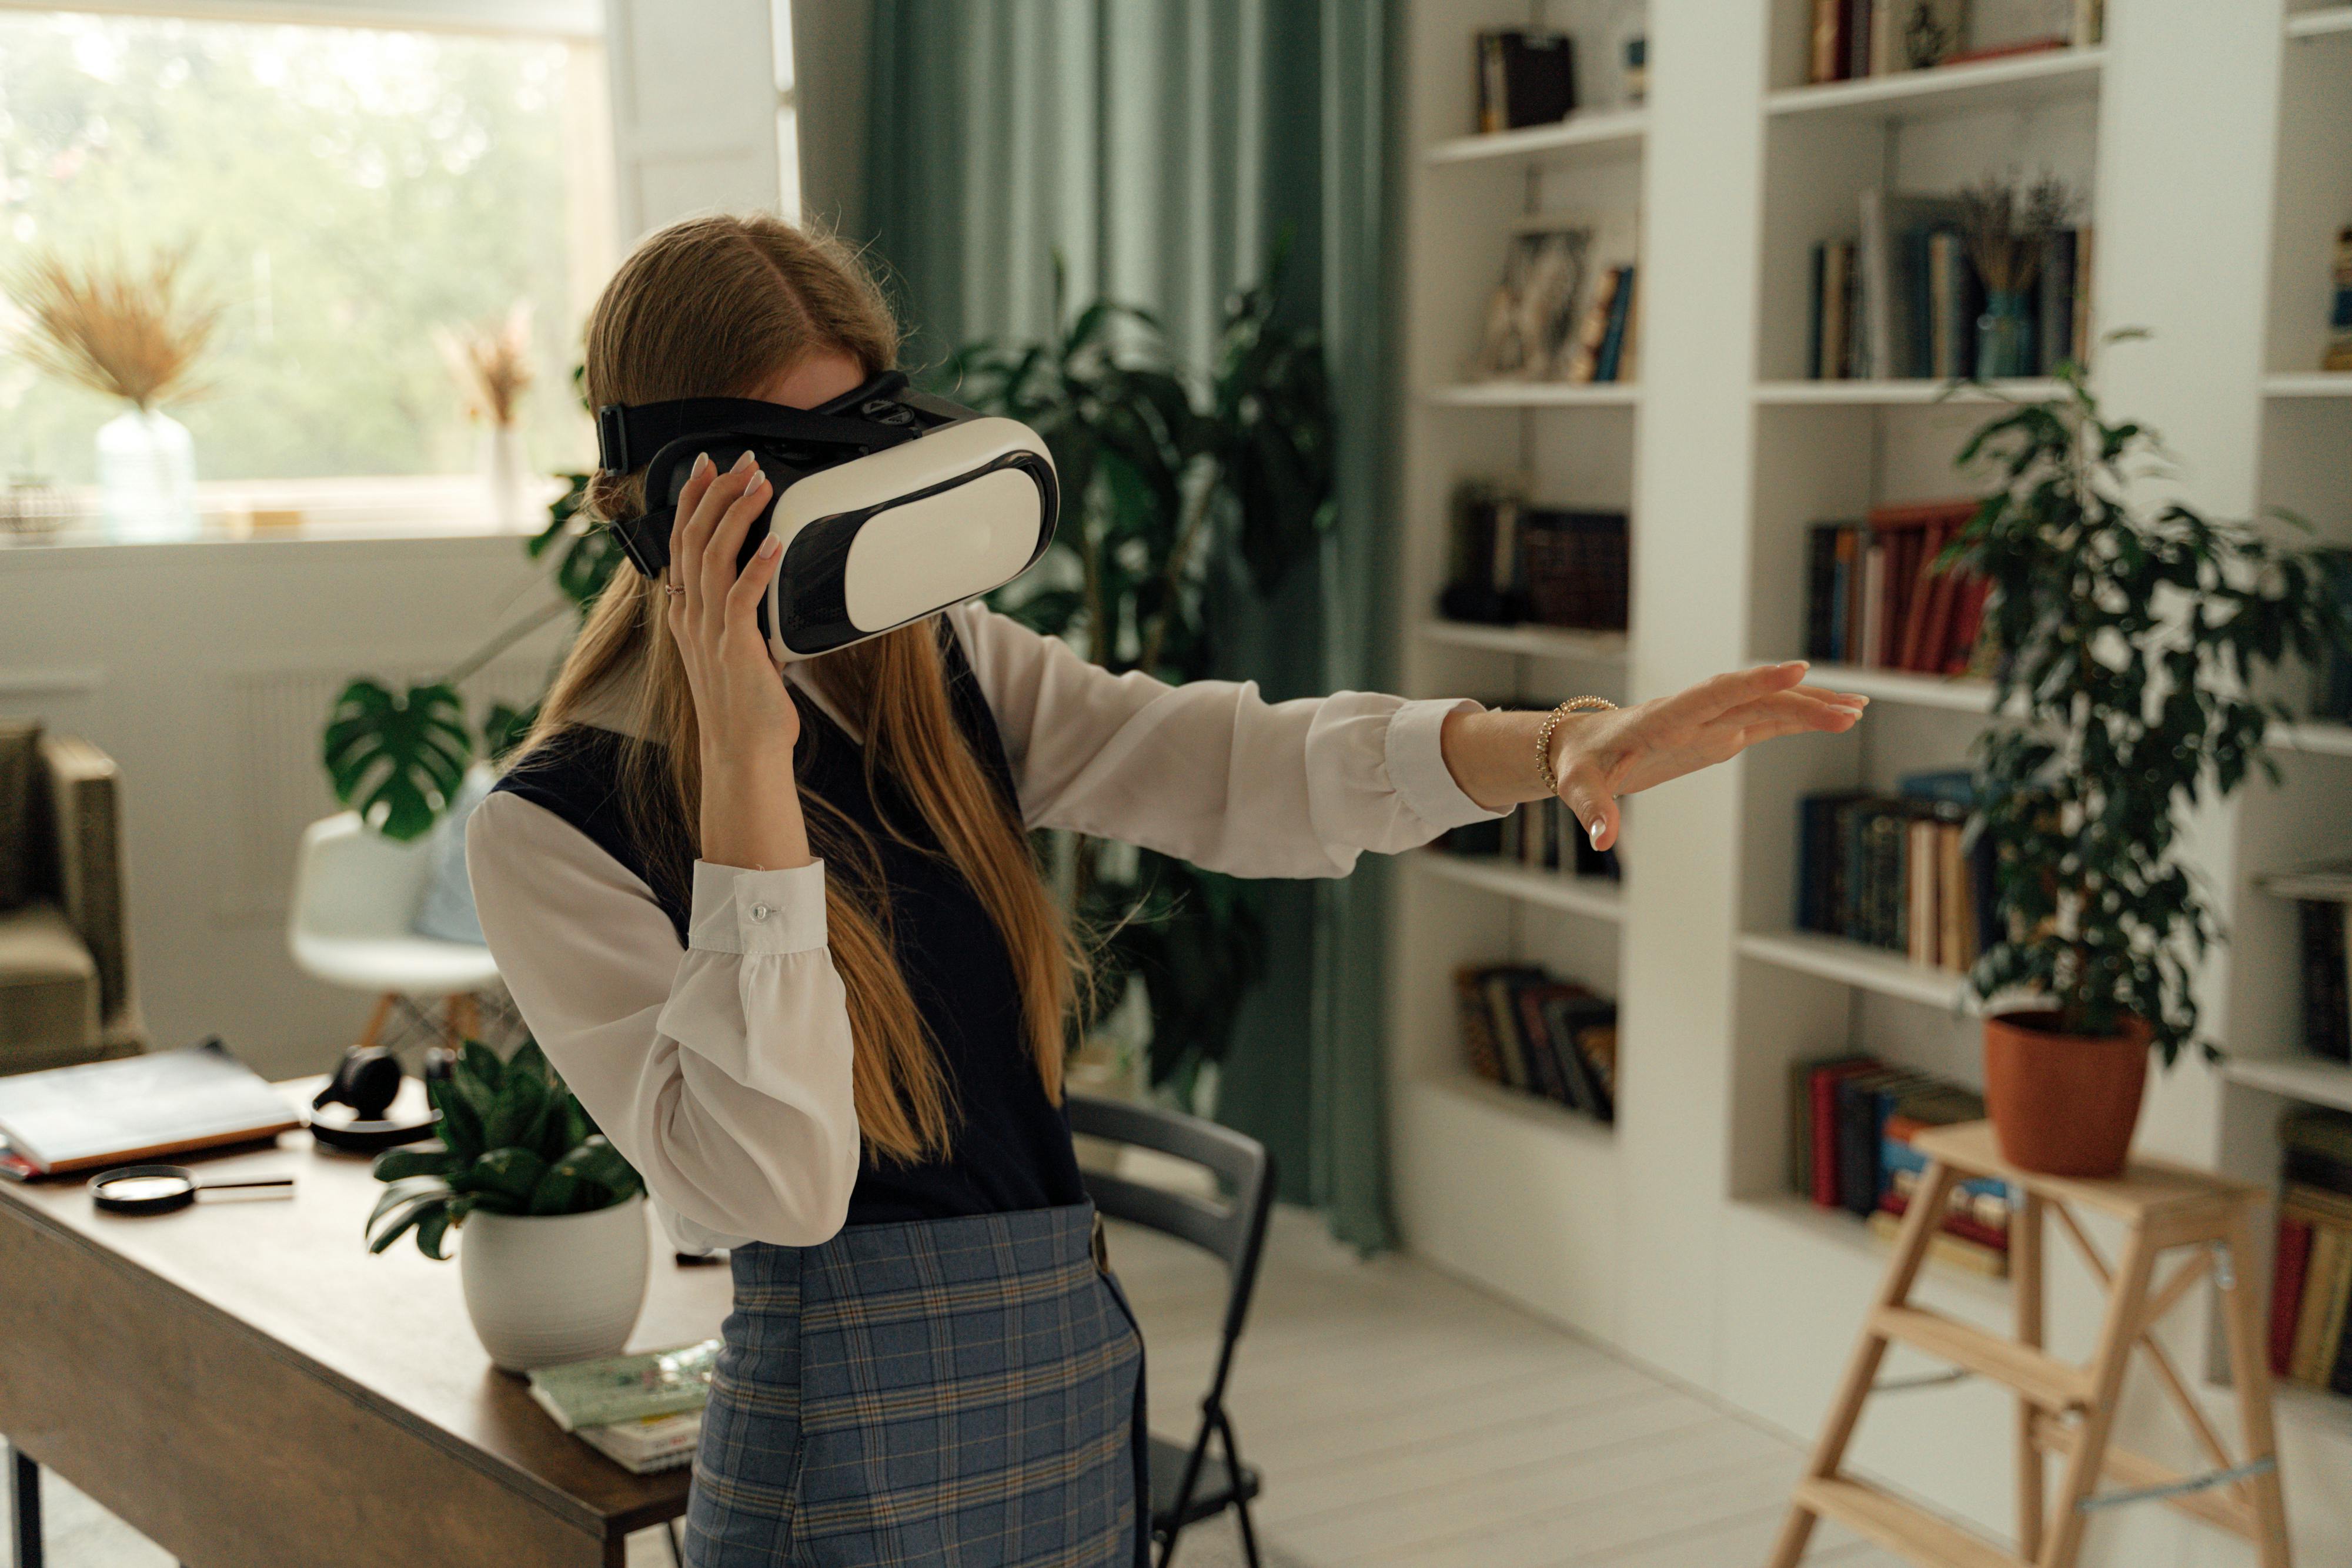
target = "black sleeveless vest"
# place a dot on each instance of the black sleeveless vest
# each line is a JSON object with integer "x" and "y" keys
{"x": 1011, "y": 1145}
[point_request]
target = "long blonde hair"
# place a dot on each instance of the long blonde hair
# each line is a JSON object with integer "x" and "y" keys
{"x": 716, "y": 306}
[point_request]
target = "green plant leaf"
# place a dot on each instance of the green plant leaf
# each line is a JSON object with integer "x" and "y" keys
{"x": 598, "y": 1161}
{"x": 503, "y": 1179}
{"x": 461, "y": 1124}
{"x": 397, "y": 1164}
{"x": 397, "y": 760}
{"x": 401, "y": 1191}
{"x": 397, "y": 1220}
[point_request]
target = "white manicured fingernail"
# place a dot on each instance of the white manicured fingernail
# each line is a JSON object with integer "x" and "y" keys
{"x": 769, "y": 546}
{"x": 1595, "y": 835}
{"x": 741, "y": 463}
{"x": 701, "y": 464}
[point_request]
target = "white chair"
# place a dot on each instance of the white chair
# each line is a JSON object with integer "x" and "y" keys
{"x": 355, "y": 894}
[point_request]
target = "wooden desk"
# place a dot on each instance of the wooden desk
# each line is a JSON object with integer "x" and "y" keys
{"x": 245, "y": 1384}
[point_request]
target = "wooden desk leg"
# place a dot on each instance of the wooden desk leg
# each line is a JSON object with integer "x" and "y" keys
{"x": 2126, "y": 1312}
{"x": 1919, "y": 1224}
{"x": 24, "y": 1505}
{"x": 2250, "y": 1371}
{"x": 2025, "y": 1265}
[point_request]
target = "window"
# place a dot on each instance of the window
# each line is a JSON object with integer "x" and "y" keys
{"x": 346, "y": 191}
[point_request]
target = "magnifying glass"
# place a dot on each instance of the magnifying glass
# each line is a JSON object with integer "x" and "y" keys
{"x": 160, "y": 1189}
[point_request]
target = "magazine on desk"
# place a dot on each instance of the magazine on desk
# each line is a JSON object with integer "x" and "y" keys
{"x": 134, "y": 1108}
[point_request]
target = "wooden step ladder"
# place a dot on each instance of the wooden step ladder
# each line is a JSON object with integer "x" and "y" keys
{"x": 2062, "y": 1408}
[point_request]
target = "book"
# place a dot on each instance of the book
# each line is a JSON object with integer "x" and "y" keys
{"x": 648, "y": 1443}
{"x": 1621, "y": 309}
{"x": 135, "y": 1108}
{"x": 1478, "y": 1048}
{"x": 1826, "y": 56}
{"x": 609, "y": 1388}
{"x": 2054, "y": 335}
{"x": 1524, "y": 77}
{"x": 1822, "y": 1109}
{"x": 1593, "y": 332}
{"x": 1944, "y": 1246}
{"x": 2327, "y": 1290}
{"x": 2288, "y": 1260}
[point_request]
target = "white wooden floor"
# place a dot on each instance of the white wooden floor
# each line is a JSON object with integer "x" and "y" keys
{"x": 1401, "y": 1417}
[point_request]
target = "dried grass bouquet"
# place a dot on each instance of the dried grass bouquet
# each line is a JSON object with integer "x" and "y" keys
{"x": 492, "y": 362}
{"x": 121, "y": 329}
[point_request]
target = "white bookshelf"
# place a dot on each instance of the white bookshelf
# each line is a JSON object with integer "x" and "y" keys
{"x": 1604, "y": 134}
{"x": 1673, "y": 1235}
{"x": 2029, "y": 80}
{"x": 1530, "y": 642}
{"x": 1536, "y": 394}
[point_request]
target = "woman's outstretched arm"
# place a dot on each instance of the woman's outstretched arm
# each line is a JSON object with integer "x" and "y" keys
{"x": 1213, "y": 773}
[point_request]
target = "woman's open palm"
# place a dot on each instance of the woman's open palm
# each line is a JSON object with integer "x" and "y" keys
{"x": 1602, "y": 756}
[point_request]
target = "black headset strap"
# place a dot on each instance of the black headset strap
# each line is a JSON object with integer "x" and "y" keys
{"x": 628, "y": 435}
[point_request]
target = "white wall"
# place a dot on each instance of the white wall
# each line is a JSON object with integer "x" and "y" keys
{"x": 206, "y": 670}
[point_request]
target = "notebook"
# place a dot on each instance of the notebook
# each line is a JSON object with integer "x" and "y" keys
{"x": 135, "y": 1108}
{"x": 649, "y": 1443}
{"x": 610, "y": 1388}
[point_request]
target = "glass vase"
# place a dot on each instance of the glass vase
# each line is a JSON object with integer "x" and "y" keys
{"x": 505, "y": 474}
{"x": 2004, "y": 336}
{"x": 146, "y": 477}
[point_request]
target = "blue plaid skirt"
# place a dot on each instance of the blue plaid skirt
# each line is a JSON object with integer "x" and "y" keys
{"x": 963, "y": 1393}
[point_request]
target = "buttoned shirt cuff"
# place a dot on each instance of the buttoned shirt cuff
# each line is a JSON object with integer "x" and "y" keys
{"x": 740, "y": 911}
{"x": 1417, "y": 769}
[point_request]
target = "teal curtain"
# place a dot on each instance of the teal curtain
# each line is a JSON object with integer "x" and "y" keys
{"x": 1160, "y": 149}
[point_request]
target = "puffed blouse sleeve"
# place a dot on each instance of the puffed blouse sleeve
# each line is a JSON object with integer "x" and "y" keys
{"x": 1210, "y": 771}
{"x": 721, "y": 1068}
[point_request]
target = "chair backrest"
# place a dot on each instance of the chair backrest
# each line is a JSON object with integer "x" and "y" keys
{"x": 350, "y": 881}
{"x": 1234, "y": 1232}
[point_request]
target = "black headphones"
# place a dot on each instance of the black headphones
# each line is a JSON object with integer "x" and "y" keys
{"x": 366, "y": 1082}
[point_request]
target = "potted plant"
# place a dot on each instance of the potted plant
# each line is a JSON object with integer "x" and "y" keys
{"x": 137, "y": 335}
{"x": 555, "y": 1254}
{"x": 2130, "y": 640}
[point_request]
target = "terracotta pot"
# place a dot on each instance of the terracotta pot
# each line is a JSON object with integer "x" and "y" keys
{"x": 2063, "y": 1104}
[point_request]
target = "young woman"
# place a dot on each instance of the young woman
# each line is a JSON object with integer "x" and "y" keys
{"x": 783, "y": 935}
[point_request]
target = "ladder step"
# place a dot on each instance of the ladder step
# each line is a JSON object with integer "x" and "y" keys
{"x": 2223, "y": 1505}
{"x": 1895, "y": 1525}
{"x": 2049, "y": 1383}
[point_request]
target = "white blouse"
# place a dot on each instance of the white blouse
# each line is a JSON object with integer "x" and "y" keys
{"x": 722, "y": 1069}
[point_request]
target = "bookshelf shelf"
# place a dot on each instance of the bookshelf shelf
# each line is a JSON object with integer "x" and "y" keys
{"x": 2310, "y": 1079}
{"x": 1589, "y": 896}
{"x": 1530, "y": 642}
{"x": 1839, "y": 1230}
{"x": 1947, "y": 90}
{"x": 1960, "y": 693}
{"x": 2309, "y": 383}
{"x": 1903, "y": 393}
{"x": 1536, "y": 394}
{"x": 2315, "y": 737}
{"x": 2332, "y": 20}
{"x": 1531, "y": 1110}
{"x": 1602, "y": 134}
{"x": 1855, "y": 964}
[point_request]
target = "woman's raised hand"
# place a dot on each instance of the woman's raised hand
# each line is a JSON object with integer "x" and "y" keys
{"x": 1599, "y": 757}
{"x": 751, "y": 806}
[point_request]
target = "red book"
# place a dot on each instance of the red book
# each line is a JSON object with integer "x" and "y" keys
{"x": 1967, "y": 623}
{"x": 2003, "y": 51}
{"x": 2286, "y": 1287}
{"x": 1965, "y": 1227}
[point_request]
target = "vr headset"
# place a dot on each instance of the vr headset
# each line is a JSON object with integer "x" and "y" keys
{"x": 891, "y": 504}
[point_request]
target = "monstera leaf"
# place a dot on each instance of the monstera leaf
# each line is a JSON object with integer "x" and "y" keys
{"x": 586, "y": 555}
{"x": 398, "y": 759}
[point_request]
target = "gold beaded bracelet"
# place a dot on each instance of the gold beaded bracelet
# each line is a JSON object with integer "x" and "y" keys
{"x": 1551, "y": 723}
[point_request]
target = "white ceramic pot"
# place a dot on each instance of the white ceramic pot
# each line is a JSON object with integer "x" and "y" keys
{"x": 505, "y": 472}
{"x": 549, "y": 1289}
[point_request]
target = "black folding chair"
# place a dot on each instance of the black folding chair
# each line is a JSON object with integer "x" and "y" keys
{"x": 1189, "y": 1485}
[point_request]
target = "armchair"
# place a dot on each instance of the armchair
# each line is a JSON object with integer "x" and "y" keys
{"x": 65, "y": 966}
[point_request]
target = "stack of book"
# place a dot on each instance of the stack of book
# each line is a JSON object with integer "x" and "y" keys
{"x": 1852, "y": 1122}
{"x": 1874, "y": 598}
{"x": 644, "y": 1412}
{"x": 1526, "y": 1031}
{"x": 1849, "y": 39}
{"x": 2321, "y": 892}
{"x": 1902, "y": 299}
{"x": 1541, "y": 835}
{"x": 1553, "y": 566}
{"x": 1895, "y": 870}
{"x": 2311, "y": 1284}
{"x": 1525, "y": 77}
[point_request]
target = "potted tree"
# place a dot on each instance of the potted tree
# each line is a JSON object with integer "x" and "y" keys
{"x": 2131, "y": 644}
{"x": 555, "y": 1253}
